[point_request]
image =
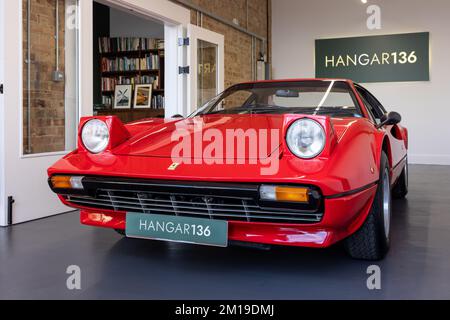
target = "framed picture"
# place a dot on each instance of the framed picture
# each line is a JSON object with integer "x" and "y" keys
{"x": 143, "y": 96}
{"x": 123, "y": 96}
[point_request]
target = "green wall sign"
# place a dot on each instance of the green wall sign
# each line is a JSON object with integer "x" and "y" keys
{"x": 390, "y": 58}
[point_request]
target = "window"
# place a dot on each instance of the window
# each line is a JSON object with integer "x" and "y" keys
{"x": 374, "y": 107}
{"x": 368, "y": 107}
{"x": 332, "y": 98}
{"x": 50, "y": 59}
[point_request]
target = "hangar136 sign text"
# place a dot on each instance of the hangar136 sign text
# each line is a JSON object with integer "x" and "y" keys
{"x": 389, "y": 58}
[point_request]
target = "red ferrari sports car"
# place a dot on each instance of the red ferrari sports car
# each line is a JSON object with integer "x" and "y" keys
{"x": 305, "y": 162}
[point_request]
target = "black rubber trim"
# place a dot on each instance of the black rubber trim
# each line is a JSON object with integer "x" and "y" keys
{"x": 352, "y": 192}
{"x": 400, "y": 162}
{"x": 167, "y": 186}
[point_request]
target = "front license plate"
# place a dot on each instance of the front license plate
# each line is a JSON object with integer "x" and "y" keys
{"x": 177, "y": 229}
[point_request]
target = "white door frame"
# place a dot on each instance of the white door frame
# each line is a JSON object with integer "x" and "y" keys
{"x": 2, "y": 117}
{"x": 197, "y": 33}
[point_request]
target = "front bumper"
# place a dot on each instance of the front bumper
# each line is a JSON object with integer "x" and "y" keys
{"x": 343, "y": 216}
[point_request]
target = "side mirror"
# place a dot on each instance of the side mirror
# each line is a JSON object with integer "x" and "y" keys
{"x": 390, "y": 119}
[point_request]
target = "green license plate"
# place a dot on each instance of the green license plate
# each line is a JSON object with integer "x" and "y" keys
{"x": 177, "y": 229}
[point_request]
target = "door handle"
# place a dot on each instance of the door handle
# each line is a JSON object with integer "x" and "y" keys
{"x": 1, "y": 88}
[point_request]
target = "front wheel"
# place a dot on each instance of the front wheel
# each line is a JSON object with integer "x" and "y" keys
{"x": 371, "y": 241}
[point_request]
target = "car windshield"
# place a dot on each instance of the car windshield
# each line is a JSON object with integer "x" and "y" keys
{"x": 330, "y": 98}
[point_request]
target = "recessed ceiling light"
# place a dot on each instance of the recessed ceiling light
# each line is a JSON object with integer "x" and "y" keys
{"x": 364, "y": 1}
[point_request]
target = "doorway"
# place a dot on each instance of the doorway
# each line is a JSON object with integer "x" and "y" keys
{"x": 189, "y": 60}
{"x": 129, "y": 64}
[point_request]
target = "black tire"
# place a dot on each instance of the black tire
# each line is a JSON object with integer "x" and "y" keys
{"x": 400, "y": 190}
{"x": 371, "y": 241}
{"x": 121, "y": 232}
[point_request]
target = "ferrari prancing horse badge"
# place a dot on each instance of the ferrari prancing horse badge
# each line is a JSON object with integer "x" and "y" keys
{"x": 173, "y": 166}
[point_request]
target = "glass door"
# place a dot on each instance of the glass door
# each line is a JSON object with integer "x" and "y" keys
{"x": 206, "y": 59}
{"x": 42, "y": 98}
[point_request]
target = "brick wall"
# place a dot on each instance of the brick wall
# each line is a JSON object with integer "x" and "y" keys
{"x": 251, "y": 15}
{"x": 47, "y": 101}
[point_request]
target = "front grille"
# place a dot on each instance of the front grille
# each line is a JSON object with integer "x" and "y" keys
{"x": 205, "y": 205}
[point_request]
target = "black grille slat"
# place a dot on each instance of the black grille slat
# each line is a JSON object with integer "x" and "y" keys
{"x": 123, "y": 204}
{"x": 141, "y": 198}
{"x": 174, "y": 203}
{"x": 247, "y": 205}
{"x": 194, "y": 213}
{"x": 219, "y": 196}
{"x": 180, "y": 202}
{"x": 247, "y": 212}
{"x": 212, "y": 207}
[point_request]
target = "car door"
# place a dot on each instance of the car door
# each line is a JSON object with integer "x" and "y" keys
{"x": 394, "y": 132}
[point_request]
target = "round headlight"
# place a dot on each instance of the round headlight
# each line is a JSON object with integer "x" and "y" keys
{"x": 306, "y": 138}
{"x": 95, "y": 136}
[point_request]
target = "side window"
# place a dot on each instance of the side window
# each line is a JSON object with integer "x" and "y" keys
{"x": 378, "y": 108}
{"x": 376, "y": 117}
{"x": 368, "y": 107}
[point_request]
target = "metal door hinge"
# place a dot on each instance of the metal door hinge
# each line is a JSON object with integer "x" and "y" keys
{"x": 184, "y": 42}
{"x": 184, "y": 70}
{"x": 1, "y": 88}
{"x": 10, "y": 210}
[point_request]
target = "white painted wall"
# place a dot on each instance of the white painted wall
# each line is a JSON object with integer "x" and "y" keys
{"x": 424, "y": 106}
{"x": 124, "y": 24}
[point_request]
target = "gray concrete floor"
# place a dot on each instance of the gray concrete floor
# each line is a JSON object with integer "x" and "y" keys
{"x": 34, "y": 257}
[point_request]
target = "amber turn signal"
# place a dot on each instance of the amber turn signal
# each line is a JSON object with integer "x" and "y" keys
{"x": 292, "y": 194}
{"x": 285, "y": 194}
{"x": 66, "y": 182}
{"x": 61, "y": 182}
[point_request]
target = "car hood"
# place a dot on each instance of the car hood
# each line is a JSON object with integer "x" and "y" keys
{"x": 199, "y": 133}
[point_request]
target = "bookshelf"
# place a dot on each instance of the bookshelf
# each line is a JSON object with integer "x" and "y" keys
{"x": 131, "y": 61}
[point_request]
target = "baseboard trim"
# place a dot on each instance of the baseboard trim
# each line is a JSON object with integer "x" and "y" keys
{"x": 430, "y": 159}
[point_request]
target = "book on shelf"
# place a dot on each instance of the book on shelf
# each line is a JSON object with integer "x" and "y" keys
{"x": 124, "y": 61}
{"x": 109, "y": 84}
{"x": 160, "y": 44}
{"x": 109, "y": 45}
{"x": 107, "y": 101}
{"x": 158, "y": 102}
{"x": 149, "y": 62}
